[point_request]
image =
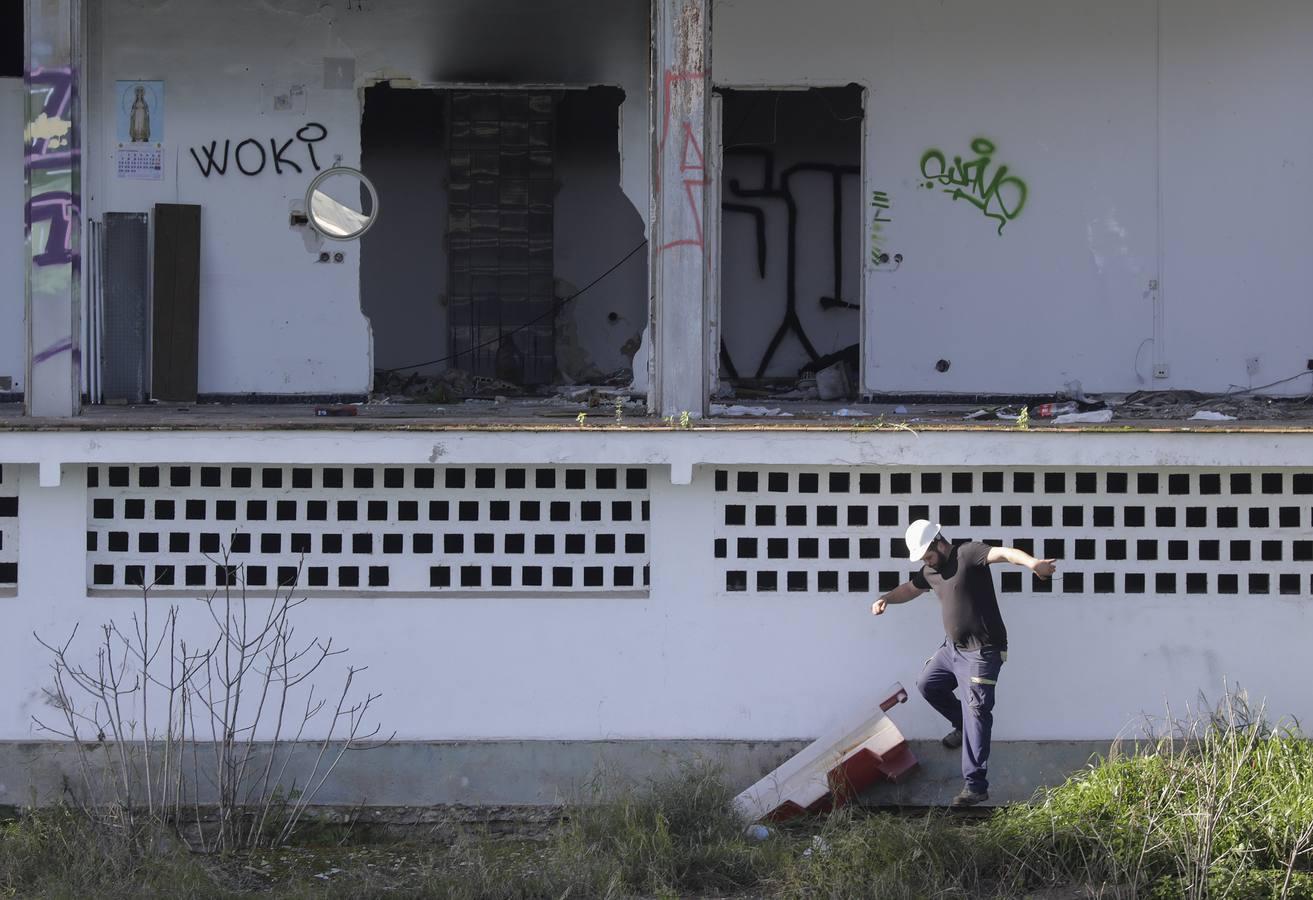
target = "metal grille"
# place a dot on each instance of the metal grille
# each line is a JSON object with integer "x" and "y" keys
{"x": 8, "y": 528}
{"x": 124, "y": 322}
{"x": 499, "y": 232}
{"x": 1116, "y": 531}
{"x": 409, "y": 529}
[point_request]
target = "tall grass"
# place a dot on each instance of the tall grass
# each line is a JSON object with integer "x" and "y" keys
{"x": 1221, "y": 806}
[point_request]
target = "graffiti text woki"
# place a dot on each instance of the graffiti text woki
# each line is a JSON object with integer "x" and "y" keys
{"x": 995, "y": 193}
{"x": 251, "y": 157}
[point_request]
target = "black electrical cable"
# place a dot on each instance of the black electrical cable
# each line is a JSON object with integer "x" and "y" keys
{"x": 556, "y": 307}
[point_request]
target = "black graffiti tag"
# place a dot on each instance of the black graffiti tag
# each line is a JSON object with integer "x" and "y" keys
{"x": 251, "y": 157}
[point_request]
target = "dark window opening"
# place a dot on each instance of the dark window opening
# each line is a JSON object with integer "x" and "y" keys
{"x": 502, "y": 205}
{"x": 791, "y": 245}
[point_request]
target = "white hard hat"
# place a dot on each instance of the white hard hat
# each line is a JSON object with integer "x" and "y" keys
{"x": 920, "y": 535}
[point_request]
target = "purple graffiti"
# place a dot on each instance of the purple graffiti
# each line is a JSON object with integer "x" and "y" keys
{"x": 61, "y": 346}
{"x": 60, "y": 87}
{"x": 61, "y": 210}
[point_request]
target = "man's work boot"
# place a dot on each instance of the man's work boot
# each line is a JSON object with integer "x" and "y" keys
{"x": 968, "y": 797}
{"x": 953, "y": 739}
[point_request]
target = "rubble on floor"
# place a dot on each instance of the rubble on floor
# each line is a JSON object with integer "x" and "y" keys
{"x": 457, "y": 385}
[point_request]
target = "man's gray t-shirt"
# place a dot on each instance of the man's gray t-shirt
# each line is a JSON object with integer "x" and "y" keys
{"x": 966, "y": 593}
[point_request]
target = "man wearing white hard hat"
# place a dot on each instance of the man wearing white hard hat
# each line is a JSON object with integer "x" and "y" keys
{"x": 975, "y": 643}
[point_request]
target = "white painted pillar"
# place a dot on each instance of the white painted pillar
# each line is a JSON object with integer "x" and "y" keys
{"x": 681, "y": 31}
{"x": 52, "y": 212}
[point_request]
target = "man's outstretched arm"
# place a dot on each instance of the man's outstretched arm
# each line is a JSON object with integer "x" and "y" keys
{"x": 901, "y": 594}
{"x": 1044, "y": 568}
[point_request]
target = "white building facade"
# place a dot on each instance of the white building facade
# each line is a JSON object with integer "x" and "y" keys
{"x": 970, "y": 201}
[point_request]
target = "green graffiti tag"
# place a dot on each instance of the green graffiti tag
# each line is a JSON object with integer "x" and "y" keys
{"x": 879, "y": 200}
{"x": 1001, "y": 197}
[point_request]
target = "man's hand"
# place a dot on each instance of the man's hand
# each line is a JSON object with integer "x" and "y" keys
{"x": 1044, "y": 568}
{"x": 877, "y": 608}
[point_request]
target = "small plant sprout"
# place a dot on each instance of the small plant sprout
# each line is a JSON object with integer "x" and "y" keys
{"x": 1023, "y": 420}
{"x": 620, "y": 410}
{"x": 685, "y": 420}
{"x": 582, "y": 419}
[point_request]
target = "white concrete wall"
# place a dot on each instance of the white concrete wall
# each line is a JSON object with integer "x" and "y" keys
{"x": 690, "y": 660}
{"x": 1068, "y": 94}
{"x": 13, "y": 334}
{"x": 272, "y": 320}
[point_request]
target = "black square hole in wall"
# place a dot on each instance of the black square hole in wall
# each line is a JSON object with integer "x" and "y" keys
{"x": 1055, "y": 482}
{"x": 777, "y": 482}
{"x": 796, "y": 581}
{"x": 1073, "y": 583}
{"x": 1228, "y": 583}
{"x": 950, "y": 516}
{"x": 1288, "y": 584}
{"x": 888, "y": 581}
{"x": 840, "y": 482}
{"x": 1259, "y": 583}
{"x": 1105, "y": 583}
{"x": 1165, "y": 583}
{"x": 809, "y": 483}
{"x": 1196, "y": 583}
{"x": 1134, "y": 582}
{"x": 867, "y": 483}
{"x": 992, "y": 482}
{"x": 1011, "y": 582}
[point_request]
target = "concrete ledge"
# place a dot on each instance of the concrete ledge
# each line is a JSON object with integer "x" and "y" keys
{"x": 1016, "y": 770}
{"x": 420, "y": 774}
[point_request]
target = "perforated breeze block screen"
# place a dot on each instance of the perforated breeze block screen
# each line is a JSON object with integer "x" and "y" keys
{"x": 8, "y": 529}
{"x": 354, "y": 529}
{"x": 1117, "y": 531}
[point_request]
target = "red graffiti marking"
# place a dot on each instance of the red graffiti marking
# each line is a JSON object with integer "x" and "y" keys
{"x": 692, "y": 162}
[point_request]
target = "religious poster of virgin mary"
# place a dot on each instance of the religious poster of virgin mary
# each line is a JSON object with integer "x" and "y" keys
{"x": 140, "y": 117}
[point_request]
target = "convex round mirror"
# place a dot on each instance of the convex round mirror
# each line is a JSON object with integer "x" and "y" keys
{"x": 341, "y": 204}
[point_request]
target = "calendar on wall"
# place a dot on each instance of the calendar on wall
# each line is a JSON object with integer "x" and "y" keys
{"x": 140, "y": 123}
{"x": 141, "y": 162}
